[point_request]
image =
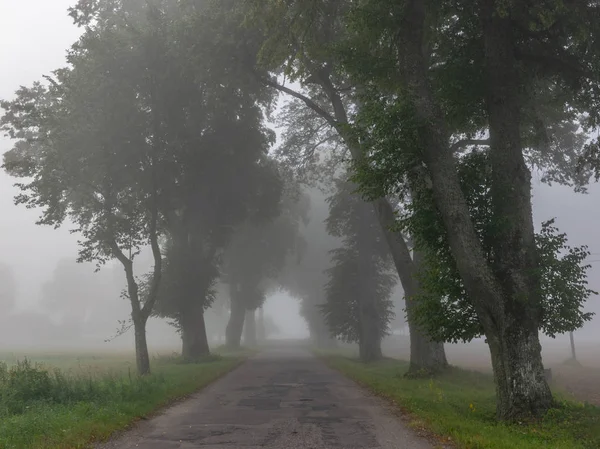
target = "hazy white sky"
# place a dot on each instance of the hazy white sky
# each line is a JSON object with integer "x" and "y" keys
{"x": 34, "y": 35}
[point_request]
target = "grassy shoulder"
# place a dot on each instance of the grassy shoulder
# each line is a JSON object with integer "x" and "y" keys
{"x": 48, "y": 408}
{"x": 459, "y": 407}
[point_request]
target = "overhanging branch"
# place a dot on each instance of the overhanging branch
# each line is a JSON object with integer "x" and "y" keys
{"x": 310, "y": 103}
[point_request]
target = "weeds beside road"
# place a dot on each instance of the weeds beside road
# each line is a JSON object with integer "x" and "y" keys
{"x": 459, "y": 407}
{"x": 42, "y": 407}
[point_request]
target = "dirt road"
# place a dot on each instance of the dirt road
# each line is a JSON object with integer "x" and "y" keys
{"x": 278, "y": 399}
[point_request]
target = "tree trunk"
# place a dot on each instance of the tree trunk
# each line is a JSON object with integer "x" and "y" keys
{"x": 142, "y": 358}
{"x": 235, "y": 325}
{"x": 261, "y": 330}
{"x": 139, "y": 315}
{"x": 432, "y": 354}
{"x": 426, "y": 356}
{"x": 505, "y": 296}
{"x": 522, "y": 386}
{"x": 573, "y": 353}
{"x": 250, "y": 338}
{"x": 193, "y": 332}
{"x": 370, "y": 335}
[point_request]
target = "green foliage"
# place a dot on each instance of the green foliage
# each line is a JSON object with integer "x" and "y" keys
{"x": 563, "y": 273}
{"x": 563, "y": 281}
{"x": 458, "y": 408}
{"x": 361, "y": 268}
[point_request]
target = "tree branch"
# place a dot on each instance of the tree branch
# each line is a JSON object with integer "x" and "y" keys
{"x": 461, "y": 144}
{"x": 310, "y": 103}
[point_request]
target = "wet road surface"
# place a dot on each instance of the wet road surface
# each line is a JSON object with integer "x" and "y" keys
{"x": 275, "y": 400}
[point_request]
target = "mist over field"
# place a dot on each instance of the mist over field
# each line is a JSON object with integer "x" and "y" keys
{"x": 406, "y": 197}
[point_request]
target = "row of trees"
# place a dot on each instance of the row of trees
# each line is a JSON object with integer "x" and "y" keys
{"x": 155, "y": 134}
{"x": 441, "y": 109}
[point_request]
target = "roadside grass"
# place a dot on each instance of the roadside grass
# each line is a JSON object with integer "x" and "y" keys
{"x": 69, "y": 404}
{"x": 458, "y": 407}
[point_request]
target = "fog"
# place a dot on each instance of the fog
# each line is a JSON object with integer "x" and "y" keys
{"x": 34, "y": 36}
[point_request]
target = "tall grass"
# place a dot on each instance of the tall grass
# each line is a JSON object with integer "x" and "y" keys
{"x": 42, "y": 407}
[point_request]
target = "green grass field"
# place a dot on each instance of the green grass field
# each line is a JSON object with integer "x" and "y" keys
{"x": 68, "y": 401}
{"x": 459, "y": 407}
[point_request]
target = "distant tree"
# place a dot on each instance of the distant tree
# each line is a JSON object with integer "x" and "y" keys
{"x": 358, "y": 308}
{"x": 303, "y": 43}
{"x": 304, "y": 274}
{"x": 271, "y": 327}
{"x": 69, "y": 294}
{"x": 255, "y": 257}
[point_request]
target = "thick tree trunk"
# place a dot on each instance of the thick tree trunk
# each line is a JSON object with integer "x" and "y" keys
{"x": 193, "y": 332}
{"x": 250, "y": 338}
{"x": 426, "y": 356}
{"x": 142, "y": 357}
{"x": 370, "y": 334}
{"x": 235, "y": 325}
{"x": 522, "y": 386}
{"x": 505, "y": 295}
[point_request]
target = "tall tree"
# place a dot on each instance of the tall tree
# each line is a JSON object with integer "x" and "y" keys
{"x": 83, "y": 143}
{"x": 256, "y": 255}
{"x": 518, "y": 53}
{"x": 304, "y": 274}
{"x": 301, "y": 44}
{"x": 358, "y": 307}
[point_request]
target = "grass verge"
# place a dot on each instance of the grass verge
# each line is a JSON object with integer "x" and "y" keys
{"x": 459, "y": 407}
{"x": 46, "y": 408}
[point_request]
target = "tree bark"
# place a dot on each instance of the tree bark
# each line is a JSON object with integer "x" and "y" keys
{"x": 193, "y": 332}
{"x": 235, "y": 325}
{"x": 505, "y": 294}
{"x": 516, "y": 263}
{"x": 426, "y": 356}
{"x": 250, "y": 338}
{"x": 142, "y": 357}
